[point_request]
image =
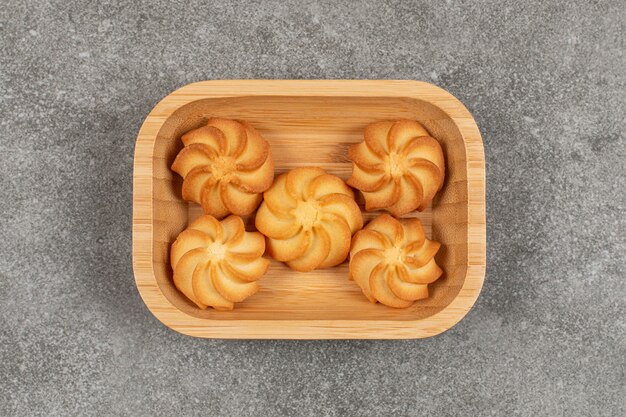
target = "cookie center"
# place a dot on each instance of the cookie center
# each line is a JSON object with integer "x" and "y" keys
{"x": 223, "y": 166}
{"x": 216, "y": 251}
{"x": 397, "y": 165}
{"x": 393, "y": 255}
{"x": 306, "y": 212}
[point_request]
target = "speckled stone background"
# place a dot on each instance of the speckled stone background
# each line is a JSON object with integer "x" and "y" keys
{"x": 546, "y": 82}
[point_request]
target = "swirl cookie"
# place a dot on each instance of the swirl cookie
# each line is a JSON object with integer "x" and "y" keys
{"x": 225, "y": 166}
{"x": 393, "y": 262}
{"x": 309, "y": 217}
{"x": 218, "y": 263}
{"x": 399, "y": 167}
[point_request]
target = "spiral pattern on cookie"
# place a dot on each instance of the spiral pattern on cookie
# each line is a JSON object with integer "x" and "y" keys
{"x": 393, "y": 262}
{"x": 308, "y": 217}
{"x": 226, "y": 166}
{"x": 218, "y": 263}
{"x": 399, "y": 167}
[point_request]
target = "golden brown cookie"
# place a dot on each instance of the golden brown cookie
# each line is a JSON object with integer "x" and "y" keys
{"x": 217, "y": 263}
{"x": 393, "y": 262}
{"x": 399, "y": 167}
{"x": 225, "y": 166}
{"x": 309, "y": 217}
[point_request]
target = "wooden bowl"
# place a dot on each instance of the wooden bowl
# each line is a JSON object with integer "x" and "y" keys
{"x": 311, "y": 123}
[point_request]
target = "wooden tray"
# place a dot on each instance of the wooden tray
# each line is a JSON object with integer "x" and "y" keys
{"x": 311, "y": 123}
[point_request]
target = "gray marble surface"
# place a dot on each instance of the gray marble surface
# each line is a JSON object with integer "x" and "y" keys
{"x": 546, "y": 82}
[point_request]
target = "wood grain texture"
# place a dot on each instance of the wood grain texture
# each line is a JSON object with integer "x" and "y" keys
{"x": 311, "y": 123}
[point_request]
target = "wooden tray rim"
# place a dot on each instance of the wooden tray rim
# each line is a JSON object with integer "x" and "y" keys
{"x": 142, "y": 224}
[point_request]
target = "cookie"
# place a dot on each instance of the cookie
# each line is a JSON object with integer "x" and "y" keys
{"x": 393, "y": 262}
{"x": 226, "y": 166}
{"x": 309, "y": 217}
{"x": 217, "y": 263}
{"x": 399, "y": 167}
